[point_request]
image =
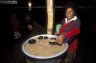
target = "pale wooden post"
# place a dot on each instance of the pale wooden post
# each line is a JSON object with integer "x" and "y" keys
{"x": 50, "y": 16}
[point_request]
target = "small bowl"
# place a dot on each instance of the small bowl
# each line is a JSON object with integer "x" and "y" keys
{"x": 32, "y": 41}
{"x": 40, "y": 37}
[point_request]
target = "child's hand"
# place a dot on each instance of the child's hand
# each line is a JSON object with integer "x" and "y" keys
{"x": 60, "y": 39}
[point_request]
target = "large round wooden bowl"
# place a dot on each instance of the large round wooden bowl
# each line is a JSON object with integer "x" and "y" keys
{"x": 42, "y": 57}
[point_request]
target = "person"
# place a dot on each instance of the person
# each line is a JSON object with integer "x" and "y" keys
{"x": 15, "y": 26}
{"x": 69, "y": 31}
{"x": 28, "y": 22}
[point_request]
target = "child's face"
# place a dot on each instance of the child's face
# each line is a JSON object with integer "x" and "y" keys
{"x": 69, "y": 13}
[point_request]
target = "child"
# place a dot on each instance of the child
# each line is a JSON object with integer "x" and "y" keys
{"x": 69, "y": 30}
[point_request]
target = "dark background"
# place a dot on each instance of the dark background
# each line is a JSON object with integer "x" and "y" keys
{"x": 86, "y": 10}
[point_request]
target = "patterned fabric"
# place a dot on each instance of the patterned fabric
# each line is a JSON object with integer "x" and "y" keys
{"x": 70, "y": 31}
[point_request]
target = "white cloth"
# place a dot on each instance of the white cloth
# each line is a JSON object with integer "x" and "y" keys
{"x": 67, "y": 21}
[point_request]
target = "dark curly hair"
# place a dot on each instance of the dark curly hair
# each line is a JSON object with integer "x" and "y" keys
{"x": 72, "y": 6}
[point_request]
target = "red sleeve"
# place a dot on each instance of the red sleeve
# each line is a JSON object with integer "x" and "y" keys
{"x": 74, "y": 30}
{"x": 71, "y": 33}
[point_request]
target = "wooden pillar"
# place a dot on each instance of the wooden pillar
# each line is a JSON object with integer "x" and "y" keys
{"x": 49, "y": 16}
